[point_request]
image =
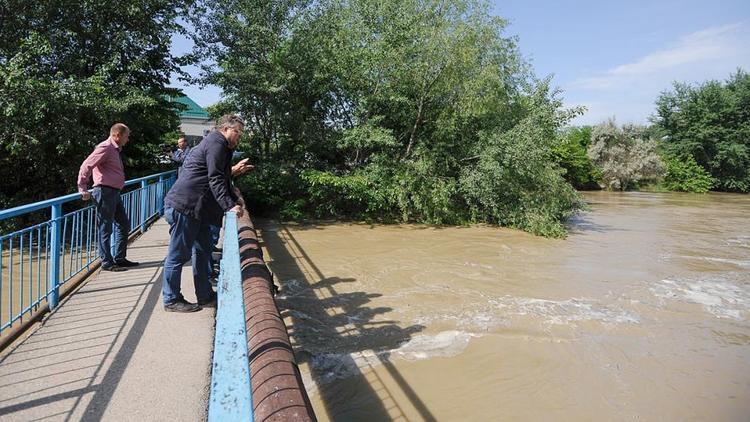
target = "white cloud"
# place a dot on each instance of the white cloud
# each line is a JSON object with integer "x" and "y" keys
{"x": 628, "y": 91}
{"x": 698, "y": 48}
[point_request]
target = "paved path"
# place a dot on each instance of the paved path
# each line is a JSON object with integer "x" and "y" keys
{"x": 110, "y": 352}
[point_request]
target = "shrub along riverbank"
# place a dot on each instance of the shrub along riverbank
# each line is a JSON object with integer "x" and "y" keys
{"x": 396, "y": 111}
{"x": 699, "y": 141}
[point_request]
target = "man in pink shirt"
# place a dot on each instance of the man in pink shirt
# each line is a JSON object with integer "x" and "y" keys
{"x": 109, "y": 178}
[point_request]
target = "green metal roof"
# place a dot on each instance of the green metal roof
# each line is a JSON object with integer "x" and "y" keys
{"x": 193, "y": 109}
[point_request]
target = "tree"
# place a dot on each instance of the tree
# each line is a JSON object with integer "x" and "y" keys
{"x": 685, "y": 175}
{"x": 394, "y": 105}
{"x": 624, "y": 155}
{"x": 262, "y": 76}
{"x": 68, "y": 70}
{"x": 571, "y": 154}
{"x": 710, "y": 122}
{"x": 515, "y": 182}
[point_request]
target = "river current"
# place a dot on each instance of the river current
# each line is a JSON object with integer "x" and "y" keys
{"x": 641, "y": 313}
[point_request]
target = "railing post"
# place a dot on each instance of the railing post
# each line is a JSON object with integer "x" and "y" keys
{"x": 54, "y": 267}
{"x": 160, "y": 195}
{"x": 144, "y": 205}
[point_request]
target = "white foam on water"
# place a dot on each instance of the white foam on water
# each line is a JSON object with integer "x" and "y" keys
{"x": 329, "y": 367}
{"x": 508, "y": 311}
{"x": 444, "y": 344}
{"x": 737, "y": 262}
{"x": 722, "y": 298}
{"x": 478, "y": 265}
{"x": 469, "y": 319}
{"x": 745, "y": 264}
{"x": 566, "y": 312}
{"x": 482, "y": 320}
{"x": 741, "y": 241}
{"x": 293, "y": 287}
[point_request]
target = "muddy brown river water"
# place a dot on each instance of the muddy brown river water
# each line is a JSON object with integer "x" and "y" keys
{"x": 642, "y": 313}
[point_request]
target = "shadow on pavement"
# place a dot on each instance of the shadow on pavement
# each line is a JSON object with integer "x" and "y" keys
{"x": 84, "y": 363}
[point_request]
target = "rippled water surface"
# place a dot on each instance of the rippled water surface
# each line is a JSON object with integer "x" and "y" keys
{"x": 642, "y": 313}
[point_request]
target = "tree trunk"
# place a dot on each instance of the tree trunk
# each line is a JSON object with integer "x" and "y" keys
{"x": 412, "y": 137}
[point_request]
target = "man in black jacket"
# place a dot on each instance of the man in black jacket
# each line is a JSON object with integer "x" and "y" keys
{"x": 182, "y": 151}
{"x": 198, "y": 199}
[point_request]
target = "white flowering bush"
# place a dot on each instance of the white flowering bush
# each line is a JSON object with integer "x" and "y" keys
{"x": 625, "y": 156}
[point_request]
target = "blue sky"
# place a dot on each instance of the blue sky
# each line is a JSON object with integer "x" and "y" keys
{"x": 615, "y": 57}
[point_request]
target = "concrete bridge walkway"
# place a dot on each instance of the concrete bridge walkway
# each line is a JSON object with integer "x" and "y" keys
{"x": 110, "y": 352}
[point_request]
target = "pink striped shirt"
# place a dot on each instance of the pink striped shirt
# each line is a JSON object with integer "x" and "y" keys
{"x": 106, "y": 165}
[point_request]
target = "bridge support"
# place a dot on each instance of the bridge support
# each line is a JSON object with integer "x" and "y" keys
{"x": 54, "y": 257}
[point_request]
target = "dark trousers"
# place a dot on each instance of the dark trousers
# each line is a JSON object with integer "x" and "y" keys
{"x": 215, "y": 233}
{"x": 186, "y": 236}
{"x": 110, "y": 213}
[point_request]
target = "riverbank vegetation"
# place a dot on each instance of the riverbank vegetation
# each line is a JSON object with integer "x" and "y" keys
{"x": 625, "y": 156}
{"x": 420, "y": 111}
{"x": 710, "y": 124}
{"x": 699, "y": 141}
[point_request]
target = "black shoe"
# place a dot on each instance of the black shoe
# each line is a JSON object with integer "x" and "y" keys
{"x": 114, "y": 268}
{"x": 210, "y": 302}
{"x": 126, "y": 263}
{"x": 181, "y": 305}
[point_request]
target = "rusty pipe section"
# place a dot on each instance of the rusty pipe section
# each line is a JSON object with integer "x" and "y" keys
{"x": 278, "y": 392}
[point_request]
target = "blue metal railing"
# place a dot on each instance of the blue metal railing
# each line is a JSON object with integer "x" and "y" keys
{"x": 231, "y": 393}
{"x": 38, "y": 260}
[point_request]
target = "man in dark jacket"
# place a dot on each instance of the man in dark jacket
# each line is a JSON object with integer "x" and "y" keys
{"x": 182, "y": 151}
{"x": 198, "y": 199}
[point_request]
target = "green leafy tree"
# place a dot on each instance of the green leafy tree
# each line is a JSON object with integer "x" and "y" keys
{"x": 685, "y": 175}
{"x": 393, "y": 105}
{"x": 262, "y": 75}
{"x": 710, "y": 122}
{"x": 625, "y": 156}
{"x": 571, "y": 154}
{"x": 68, "y": 70}
{"x": 515, "y": 183}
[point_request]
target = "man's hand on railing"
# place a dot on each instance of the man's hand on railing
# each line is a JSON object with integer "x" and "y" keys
{"x": 85, "y": 195}
{"x": 238, "y": 209}
{"x": 240, "y": 200}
